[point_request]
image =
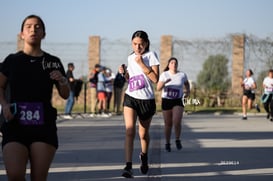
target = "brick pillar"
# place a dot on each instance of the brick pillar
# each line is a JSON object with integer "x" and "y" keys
{"x": 93, "y": 52}
{"x": 20, "y": 43}
{"x": 93, "y": 59}
{"x": 238, "y": 57}
{"x": 166, "y": 50}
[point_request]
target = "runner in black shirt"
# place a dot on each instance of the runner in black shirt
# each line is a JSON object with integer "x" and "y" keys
{"x": 30, "y": 132}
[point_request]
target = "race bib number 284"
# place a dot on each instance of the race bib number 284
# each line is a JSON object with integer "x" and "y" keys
{"x": 31, "y": 113}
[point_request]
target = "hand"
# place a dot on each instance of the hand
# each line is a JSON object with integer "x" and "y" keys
{"x": 56, "y": 75}
{"x": 6, "y": 112}
{"x": 139, "y": 59}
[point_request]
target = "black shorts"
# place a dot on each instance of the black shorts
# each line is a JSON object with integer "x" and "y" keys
{"x": 167, "y": 104}
{"x": 249, "y": 94}
{"x": 27, "y": 135}
{"x": 145, "y": 108}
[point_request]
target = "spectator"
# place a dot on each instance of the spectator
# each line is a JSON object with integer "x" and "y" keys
{"x": 101, "y": 92}
{"x": 93, "y": 78}
{"x": 71, "y": 100}
{"x": 109, "y": 89}
{"x": 118, "y": 88}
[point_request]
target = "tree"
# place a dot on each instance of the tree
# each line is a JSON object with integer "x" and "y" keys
{"x": 214, "y": 79}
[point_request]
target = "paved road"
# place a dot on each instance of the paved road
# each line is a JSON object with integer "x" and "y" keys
{"x": 215, "y": 147}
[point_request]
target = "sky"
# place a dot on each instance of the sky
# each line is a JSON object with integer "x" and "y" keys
{"x": 76, "y": 20}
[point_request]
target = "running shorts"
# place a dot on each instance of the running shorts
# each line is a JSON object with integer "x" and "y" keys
{"x": 168, "y": 104}
{"x": 27, "y": 135}
{"x": 145, "y": 108}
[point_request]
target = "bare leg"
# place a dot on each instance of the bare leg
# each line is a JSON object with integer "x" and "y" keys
{"x": 177, "y": 119}
{"x": 15, "y": 156}
{"x": 41, "y": 155}
{"x": 130, "y": 126}
{"x": 168, "y": 124}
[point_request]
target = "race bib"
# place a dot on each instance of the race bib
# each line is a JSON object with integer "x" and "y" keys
{"x": 269, "y": 89}
{"x": 173, "y": 93}
{"x": 30, "y": 113}
{"x": 136, "y": 83}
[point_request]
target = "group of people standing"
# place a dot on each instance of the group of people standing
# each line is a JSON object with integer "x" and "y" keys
{"x": 103, "y": 82}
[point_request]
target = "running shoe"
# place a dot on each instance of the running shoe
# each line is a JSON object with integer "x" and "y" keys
{"x": 144, "y": 163}
{"x": 168, "y": 147}
{"x": 178, "y": 144}
{"x": 257, "y": 108}
{"x": 127, "y": 172}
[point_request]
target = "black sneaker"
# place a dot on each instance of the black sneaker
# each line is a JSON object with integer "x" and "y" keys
{"x": 144, "y": 163}
{"x": 244, "y": 118}
{"x": 268, "y": 116}
{"x": 257, "y": 108}
{"x": 128, "y": 172}
{"x": 168, "y": 147}
{"x": 178, "y": 144}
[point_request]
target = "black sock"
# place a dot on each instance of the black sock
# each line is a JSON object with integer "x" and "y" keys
{"x": 144, "y": 158}
{"x": 129, "y": 165}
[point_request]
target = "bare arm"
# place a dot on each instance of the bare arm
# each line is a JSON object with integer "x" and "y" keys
{"x": 151, "y": 72}
{"x": 62, "y": 86}
{"x": 161, "y": 84}
{"x": 187, "y": 87}
{"x": 5, "y": 105}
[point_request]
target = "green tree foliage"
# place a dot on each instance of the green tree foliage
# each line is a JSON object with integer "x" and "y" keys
{"x": 214, "y": 76}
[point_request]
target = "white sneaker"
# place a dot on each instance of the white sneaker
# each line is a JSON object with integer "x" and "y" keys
{"x": 104, "y": 115}
{"x": 92, "y": 115}
{"x": 67, "y": 117}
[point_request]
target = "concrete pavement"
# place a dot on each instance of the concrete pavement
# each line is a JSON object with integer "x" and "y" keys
{"x": 215, "y": 147}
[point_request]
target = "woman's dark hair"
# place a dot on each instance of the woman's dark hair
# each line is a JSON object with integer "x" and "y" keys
{"x": 250, "y": 71}
{"x": 167, "y": 67}
{"x": 144, "y": 36}
{"x": 33, "y": 16}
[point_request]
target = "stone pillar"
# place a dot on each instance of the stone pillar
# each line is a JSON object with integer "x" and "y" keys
{"x": 20, "y": 43}
{"x": 93, "y": 59}
{"x": 93, "y": 52}
{"x": 238, "y": 57}
{"x": 166, "y": 50}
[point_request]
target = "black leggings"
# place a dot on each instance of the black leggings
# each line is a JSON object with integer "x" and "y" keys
{"x": 268, "y": 105}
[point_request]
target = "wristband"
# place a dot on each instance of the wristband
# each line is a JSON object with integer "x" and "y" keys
{"x": 150, "y": 70}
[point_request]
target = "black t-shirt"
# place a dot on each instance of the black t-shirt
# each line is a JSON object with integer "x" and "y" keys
{"x": 29, "y": 80}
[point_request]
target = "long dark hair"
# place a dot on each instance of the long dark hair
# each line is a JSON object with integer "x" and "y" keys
{"x": 167, "y": 67}
{"x": 144, "y": 36}
{"x": 33, "y": 16}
